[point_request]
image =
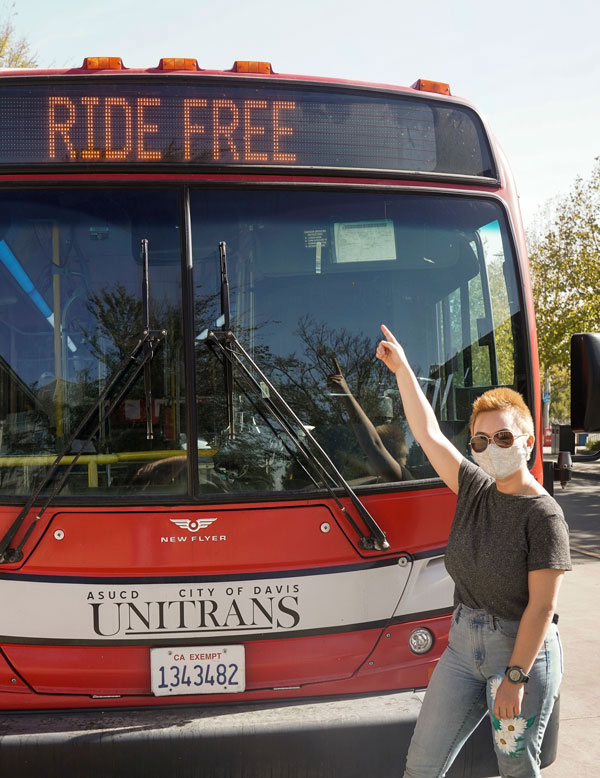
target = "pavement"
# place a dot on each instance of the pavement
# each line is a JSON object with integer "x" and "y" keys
{"x": 579, "y": 608}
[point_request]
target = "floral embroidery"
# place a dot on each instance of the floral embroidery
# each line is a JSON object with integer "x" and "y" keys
{"x": 494, "y": 684}
{"x": 509, "y": 734}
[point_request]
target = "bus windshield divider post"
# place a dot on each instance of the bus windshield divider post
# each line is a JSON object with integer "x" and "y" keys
{"x": 225, "y": 340}
{"x": 127, "y": 373}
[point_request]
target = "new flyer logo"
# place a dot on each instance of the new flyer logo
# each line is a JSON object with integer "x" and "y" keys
{"x": 193, "y": 525}
{"x": 190, "y": 531}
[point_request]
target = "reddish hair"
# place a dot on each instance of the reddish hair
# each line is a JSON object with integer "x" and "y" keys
{"x": 503, "y": 399}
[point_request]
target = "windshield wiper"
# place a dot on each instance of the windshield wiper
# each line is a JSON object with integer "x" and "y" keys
{"x": 226, "y": 316}
{"x": 107, "y": 401}
{"x": 225, "y": 343}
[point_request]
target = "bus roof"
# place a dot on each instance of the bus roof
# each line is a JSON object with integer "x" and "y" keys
{"x": 240, "y": 68}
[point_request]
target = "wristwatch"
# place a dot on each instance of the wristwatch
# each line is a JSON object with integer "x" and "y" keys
{"x": 516, "y": 675}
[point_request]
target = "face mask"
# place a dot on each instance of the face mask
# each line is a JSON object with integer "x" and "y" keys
{"x": 502, "y": 462}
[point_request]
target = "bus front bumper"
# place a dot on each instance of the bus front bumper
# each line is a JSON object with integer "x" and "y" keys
{"x": 349, "y": 737}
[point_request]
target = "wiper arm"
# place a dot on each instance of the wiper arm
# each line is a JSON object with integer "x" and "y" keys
{"x": 226, "y": 314}
{"x": 225, "y": 343}
{"x": 149, "y": 346}
{"x": 107, "y": 401}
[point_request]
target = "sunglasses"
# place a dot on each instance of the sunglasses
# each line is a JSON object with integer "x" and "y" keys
{"x": 502, "y": 438}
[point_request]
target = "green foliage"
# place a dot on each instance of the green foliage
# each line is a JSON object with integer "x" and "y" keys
{"x": 15, "y": 52}
{"x": 505, "y": 347}
{"x": 560, "y": 394}
{"x": 593, "y": 444}
{"x": 565, "y": 268}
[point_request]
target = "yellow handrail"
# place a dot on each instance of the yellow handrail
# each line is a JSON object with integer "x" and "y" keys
{"x": 93, "y": 460}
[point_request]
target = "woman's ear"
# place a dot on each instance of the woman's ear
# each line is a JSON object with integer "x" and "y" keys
{"x": 530, "y": 444}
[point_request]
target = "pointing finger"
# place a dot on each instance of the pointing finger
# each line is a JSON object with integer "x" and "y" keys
{"x": 388, "y": 334}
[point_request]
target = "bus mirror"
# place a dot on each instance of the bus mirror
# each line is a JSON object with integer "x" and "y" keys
{"x": 585, "y": 382}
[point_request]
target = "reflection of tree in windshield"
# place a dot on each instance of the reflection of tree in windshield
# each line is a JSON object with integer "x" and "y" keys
{"x": 117, "y": 322}
{"x": 303, "y": 380}
{"x": 114, "y": 328}
{"x": 261, "y": 455}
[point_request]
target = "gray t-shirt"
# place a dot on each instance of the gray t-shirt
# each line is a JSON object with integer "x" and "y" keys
{"x": 497, "y": 538}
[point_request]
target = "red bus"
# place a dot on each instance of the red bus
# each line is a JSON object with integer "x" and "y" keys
{"x": 208, "y": 490}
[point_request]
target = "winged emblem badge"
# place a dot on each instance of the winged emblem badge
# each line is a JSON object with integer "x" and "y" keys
{"x": 193, "y": 525}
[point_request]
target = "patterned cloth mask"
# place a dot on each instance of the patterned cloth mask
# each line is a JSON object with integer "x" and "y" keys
{"x": 502, "y": 462}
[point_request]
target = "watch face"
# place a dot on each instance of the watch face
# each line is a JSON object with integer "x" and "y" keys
{"x": 514, "y": 675}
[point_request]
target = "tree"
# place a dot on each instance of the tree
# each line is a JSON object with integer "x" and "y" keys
{"x": 565, "y": 267}
{"x": 14, "y": 52}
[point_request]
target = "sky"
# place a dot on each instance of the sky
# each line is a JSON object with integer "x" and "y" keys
{"x": 530, "y": 66}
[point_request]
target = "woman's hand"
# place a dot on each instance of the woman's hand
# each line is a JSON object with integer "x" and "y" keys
{"x": 337, "y": 384}
{"x": 508, "y": 700}
{"x": 391, "y": 352}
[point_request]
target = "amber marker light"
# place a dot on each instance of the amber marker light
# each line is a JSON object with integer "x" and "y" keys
{"x": 432, "y": 86}
{"x": 245, "y": 66}
{"x": 102, "y": 63}
{"x": 178, "y": 63}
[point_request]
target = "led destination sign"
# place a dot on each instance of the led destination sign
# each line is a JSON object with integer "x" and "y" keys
{"x": 207, "y": 125}
{"x": 154, "y": 128}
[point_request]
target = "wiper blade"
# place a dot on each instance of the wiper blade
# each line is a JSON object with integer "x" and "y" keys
{"x": 224, "y": 341}
{"x": 107, "y": 401}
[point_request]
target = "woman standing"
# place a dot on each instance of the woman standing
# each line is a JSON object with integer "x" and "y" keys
{"x": 507, "y": 553}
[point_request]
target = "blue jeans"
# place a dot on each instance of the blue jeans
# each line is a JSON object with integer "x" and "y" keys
{"x": 462, "y": 690}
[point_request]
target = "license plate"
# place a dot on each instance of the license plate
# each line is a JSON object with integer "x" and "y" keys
{"x": 198, "y": 670}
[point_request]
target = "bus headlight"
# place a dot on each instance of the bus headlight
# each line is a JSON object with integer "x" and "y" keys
{"x": 420, "y": 640}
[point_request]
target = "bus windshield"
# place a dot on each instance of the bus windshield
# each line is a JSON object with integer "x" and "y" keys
{"x": 312, "y": 276}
